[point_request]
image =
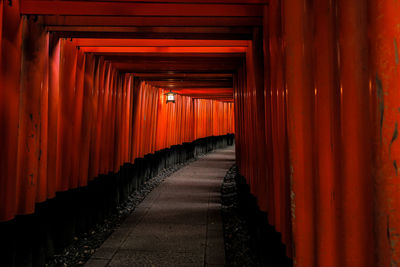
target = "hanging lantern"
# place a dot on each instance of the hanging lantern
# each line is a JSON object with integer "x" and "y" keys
{"x": 170, "y": 97}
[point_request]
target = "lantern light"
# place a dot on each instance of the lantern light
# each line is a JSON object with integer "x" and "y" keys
{"x": 170, "y": 97}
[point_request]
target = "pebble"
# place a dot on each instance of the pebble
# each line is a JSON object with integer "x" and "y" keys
{"x": 237, "y": 240}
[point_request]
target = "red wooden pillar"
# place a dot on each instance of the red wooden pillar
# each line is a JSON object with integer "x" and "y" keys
{"x": 105, "y": 129}
{"x": 354, "y": 191}
{"x": 128, "y": 114}
{"x": 68, "y": 57}
{"x": 33, "y": 68}
{"x": 111, "y": 126}
{"x": 327, "y": 108}
{"x": 255, "y": 87}
{"x": 271, "y": 57}
{"x": 384, "y": 32}
{"x": 275, "y": 91}
{"x": 77, "y": 158}
{"x": 95, "y": 128}
{"x": 10, "y": 66}
{"x": 299, "y": 81}
{"x": 53, "y": 109}
{"x": 44, "y": 123}
{"x": 88, "y": 118}
{"x": 118, "y": 139}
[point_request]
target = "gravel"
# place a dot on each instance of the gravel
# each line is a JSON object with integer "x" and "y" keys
{"x": 236, "y": 235}
{"x": 249, "y": 239}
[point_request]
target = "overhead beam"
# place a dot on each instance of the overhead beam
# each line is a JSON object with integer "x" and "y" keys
{"x": 182, "y": 75}
{"x": 188, "y": 64}
{"x": 206, "y": 91}
{"x": 160, "y": 30}
{"x": 131, "y": 32}
{"x": 58, "y": 20}
{"x": 195, "y": 89}
{"x": 98, "y": 33}
{"x": 190, "y": 84}
{"x": 193, "y": 2}
{"x": 130, "y": 57}
{"x": 166, "y": 49}
{"x": 98, "y": 8}
{"x": 101, "y": 42}
{"x": 193, "y": 80}
{"x": 222, "y": 98}
{"x": 176, "y": 66}
{"x": 176, "y": 58}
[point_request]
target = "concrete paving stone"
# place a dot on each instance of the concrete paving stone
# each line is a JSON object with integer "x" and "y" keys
{"x": 214, "y": 255}
{"x": 183, "y": 205}
{"x": 214, "y": 228}
{"x": 164, "y": 237}
{"x": 214, "y": 212}
{"x": 112, "y": 244}
{"x": 181, "y": 215}
{"x": 150, "y": 198}
{"x": 215, "y": 248}
{"x": 135, "y": 218}
{"x": 105, "y": 253}
{"x": 215, "y": 200}
{"x": 186, "y": 190}
{"x": 195, "y": 197}
{"x": 131, "y": 258}
{"x": 178, "y": 224}
{"x": 96, "y": 263}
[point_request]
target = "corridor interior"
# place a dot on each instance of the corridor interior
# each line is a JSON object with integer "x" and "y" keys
{"x": 308, "y": 90}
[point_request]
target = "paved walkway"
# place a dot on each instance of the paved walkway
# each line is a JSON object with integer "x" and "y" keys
{"x": 179, "y": 222}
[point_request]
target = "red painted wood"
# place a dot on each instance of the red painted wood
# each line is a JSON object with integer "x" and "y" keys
{"x": 42, "y": 7}
{"x": 315, "y": 96}
{"x": 58, "y": 20}
{"x": 163, "y": 49}
{"x": 384, "y": 85}
{"x": 355, "y": 192}
{"x": 327, "y": 140}
{"x": 10, "y": 70}
{"x": 98, "y": 42}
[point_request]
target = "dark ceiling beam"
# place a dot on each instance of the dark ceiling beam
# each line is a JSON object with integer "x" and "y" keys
{"x": 192, "y": 2}
{"x": 218, "y": 30}
{"x": 210, "y": 89}
{"x": 227, "y": 92}
{"x": 101, "y": 42}
{"x": 152, "y": 35}
{"x": 131, "y": 57}
{"x": 177, "y": 80}
{"x": 221, "y": 98}
{"x": 181, "y": 63}
{"x": 209, "y": 96}
{"x": 97, "y": 8}
{"x": 177, "y": 66}
{"x": 176, "y": 58}
{"x": 130, "y": 32}
{"x": 151, "y": 21}
{"x": 191, "y": 84}
{"x": 165, "y": 49}
{"x": 182, "y": 75}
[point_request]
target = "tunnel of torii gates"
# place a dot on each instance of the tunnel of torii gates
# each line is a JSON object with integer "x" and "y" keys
{"x": 311, "y": 90}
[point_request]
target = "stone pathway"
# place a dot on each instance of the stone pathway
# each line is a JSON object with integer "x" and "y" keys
{"x": 178, "y": 224}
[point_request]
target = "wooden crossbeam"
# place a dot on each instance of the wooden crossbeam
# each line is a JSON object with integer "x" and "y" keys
{"x": 99, "y": 8}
